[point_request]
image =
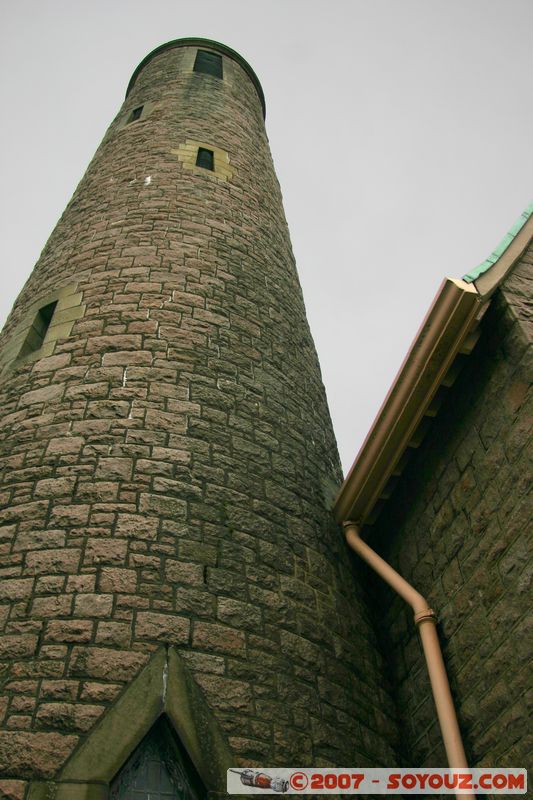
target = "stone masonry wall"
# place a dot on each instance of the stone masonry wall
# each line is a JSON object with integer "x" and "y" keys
{"x": 457, "y": 528}
{"x": 167, "y": 469}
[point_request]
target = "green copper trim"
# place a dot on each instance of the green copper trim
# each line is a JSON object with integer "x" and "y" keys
{"x": 471, "y": 276}
{"x": 209, "y": 43}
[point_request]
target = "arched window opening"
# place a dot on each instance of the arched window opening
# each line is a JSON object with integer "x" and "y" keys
{"x": 159, "y": 769}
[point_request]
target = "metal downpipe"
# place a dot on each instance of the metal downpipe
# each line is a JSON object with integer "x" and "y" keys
{"x": 425, "y": 620}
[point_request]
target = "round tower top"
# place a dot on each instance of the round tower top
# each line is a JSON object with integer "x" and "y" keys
{"x": 212, "y": 45}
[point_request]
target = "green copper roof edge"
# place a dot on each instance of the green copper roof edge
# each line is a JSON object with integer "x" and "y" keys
{"x": 193, "y": 41}
{"x": 471, "y": 276}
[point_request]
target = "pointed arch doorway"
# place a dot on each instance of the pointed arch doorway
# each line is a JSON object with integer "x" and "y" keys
{"x": 162, "y": 716}
{"x": 159, "y": 769}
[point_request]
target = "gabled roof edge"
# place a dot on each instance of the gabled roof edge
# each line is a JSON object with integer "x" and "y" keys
{"x": 452, "y": 316}
{"x": 449, "y": 324}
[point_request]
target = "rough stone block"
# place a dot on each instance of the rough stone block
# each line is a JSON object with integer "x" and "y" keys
{"x": 163, "y": 506}
{"x": 239, "y": 614}
{"x": 162, "y": 627}
{"x": 45, "y": 562}
{"x": 69, "y": 631}
{"x": 101, "y": 662}
{"x": 114, "y": 468}
{"x": 226, "y": 695}
{"x": 79, "y": 717}
{"x": 16, "y": 588}
{"x": 118, "y": 580}
{"x": 55, "y": 606}
{"x": 198, "y": 551}
{"x": 105, "y": 551}
{"x": 93, "y": 605}
{"x": 127, "y": 358}
{"x": 54, "y": 487}
{"x": 48, "y": 394}
{"x": 73, "y": 515}
{"x": 181, "y": 572}
{"x": 23, "y": 645}
{"x": 59, "y": 690}
{"x": 113, "y": 633}
{"x": 12, "y": 790}
{"x": 218, "y": 638}
{"x": 100, "y": 692}
{"x": 108, "y": 344}
{"x": 25, "y": 512}
{"x": 43, "y": 539}
{"x": 137, "y": 526}
{"x": 64, "y": 445}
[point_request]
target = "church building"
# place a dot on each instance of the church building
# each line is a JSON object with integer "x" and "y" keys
{"x": 179, "y": 590}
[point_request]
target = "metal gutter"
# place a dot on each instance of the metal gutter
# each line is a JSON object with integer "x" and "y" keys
{"x": 448, "y": 329}
{"x": 444, "y": 332}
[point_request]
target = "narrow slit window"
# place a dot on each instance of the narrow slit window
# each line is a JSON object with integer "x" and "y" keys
{"x": 205, "y": 159}
{"x": 210, "y": 63}
{"x": 136, "y": 114}
{"x": 39, "y": 328}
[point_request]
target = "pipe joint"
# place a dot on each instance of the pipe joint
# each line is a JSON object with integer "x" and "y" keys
{"x": 350, "y": 524}
{"x": 427, "y": 615}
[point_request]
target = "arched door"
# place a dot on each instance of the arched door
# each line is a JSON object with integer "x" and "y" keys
{"x": 159, "y": 769}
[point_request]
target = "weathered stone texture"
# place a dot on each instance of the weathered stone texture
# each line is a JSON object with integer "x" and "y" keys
{"x": 458, "y": 527}
{"x": 165, "y": 467}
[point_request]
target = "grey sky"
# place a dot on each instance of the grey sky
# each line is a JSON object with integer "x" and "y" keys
{"x": 401, "y": 132}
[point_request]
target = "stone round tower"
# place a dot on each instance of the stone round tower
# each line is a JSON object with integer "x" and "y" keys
{"x": 172, "y": 576}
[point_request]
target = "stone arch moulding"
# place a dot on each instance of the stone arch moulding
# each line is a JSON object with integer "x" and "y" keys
{"x": 164, "y": 686}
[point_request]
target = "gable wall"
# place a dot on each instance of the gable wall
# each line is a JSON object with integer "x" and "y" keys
{"x": 456, "y": 528}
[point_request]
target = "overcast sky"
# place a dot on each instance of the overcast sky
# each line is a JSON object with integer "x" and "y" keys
{"x": 401, "y": 132}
